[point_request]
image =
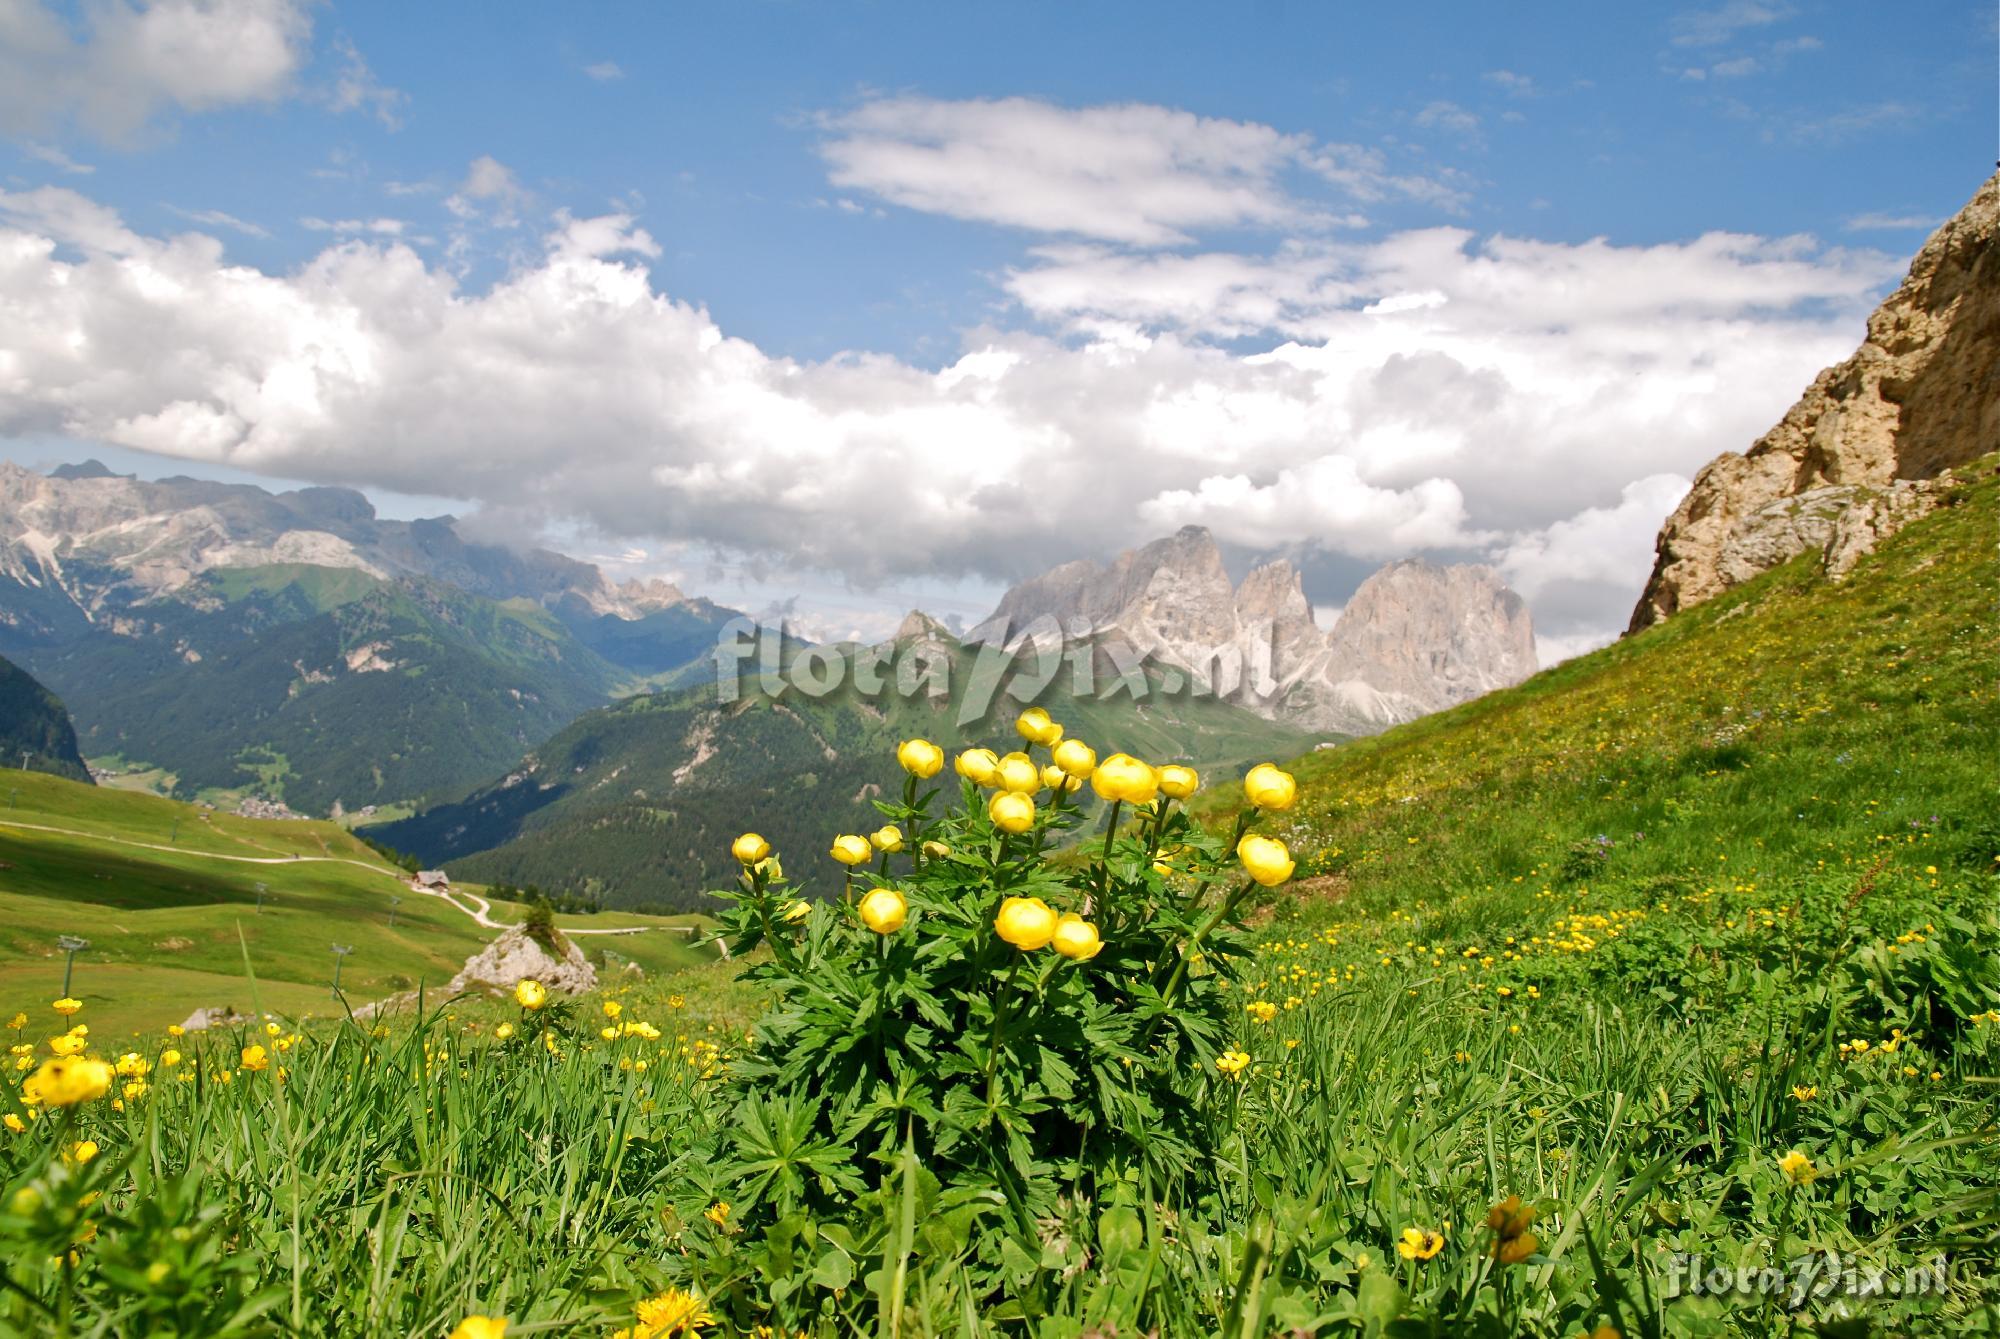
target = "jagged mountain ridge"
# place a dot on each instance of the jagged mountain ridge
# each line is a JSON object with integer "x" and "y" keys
{"x": 1863, "y": 451}
{"x": 1415, "y": 638}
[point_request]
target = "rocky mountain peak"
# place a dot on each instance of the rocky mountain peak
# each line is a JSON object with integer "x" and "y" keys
{"x": 1858, "y": 456}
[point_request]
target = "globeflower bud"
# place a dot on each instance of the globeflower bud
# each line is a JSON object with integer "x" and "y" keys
{"x": 1177, "y": 783}
{"x": 1017, "y": 772}
{"x": 888, "y": 837}
{"x": 1028, "y": 923}
{"x": 530, "y": 993}
{"x": 1265, "y": 859}
{"x": 1077, "y": 938}
{"x": 1035, "y": 726}
{"x": 977, "y": 766}
{"x": 920, "y": 758}
{"x": 1268, "y": 788}
{"x": 884, "y": 911}
{"x": 1011, "y": 811}
{"x": 1076, "y": 757}
{"x": 794, "y": 911}
{"x": 1055, "y": 778}
{"x": 750, "y": 848}
{"x": 852, "y": 850}
{"x": 1123, "y": 777}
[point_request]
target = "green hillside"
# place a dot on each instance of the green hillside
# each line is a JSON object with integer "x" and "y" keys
{"x": 167, "y": 894}
{"x": 35, "y": 731}
{"x": 638, "y": 802}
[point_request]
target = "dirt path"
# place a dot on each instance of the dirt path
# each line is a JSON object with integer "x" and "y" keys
{"x": 481, "y": 911}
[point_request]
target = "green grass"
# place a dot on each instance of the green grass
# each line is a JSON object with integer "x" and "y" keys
{"x": 1606, "y": 941}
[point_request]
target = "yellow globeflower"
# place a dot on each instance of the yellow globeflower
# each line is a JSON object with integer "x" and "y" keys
{"x": 1077, "y": 758}
{"x": 504, "y": 1032}
{"x": 1266, "y": 860}
{"x": 255, "y": 1058}
{"x": 480, "y": 1327}
{"x": 1123, "y": 777}
{"x": 1419, "y": 1243}
{"x": 1077, "y": 938}
{"x": 1798, "y": 1168}
{"x": 977, "y": 766}
{"x": 1178, "y": 782}
{"x": 1055, "y": 778}
{"x": 1268, "y": 788}
{"x": 936, "y": 850}
{"x": 1017, "y": 772}
{"x": 66, "y": 1006}
{"x": 530, "y": 993}
{"x": 1028, "y": 923}
{"x": 920, "y": 758}
{"x": 750, "y": 848}
{"x": 1035, "y": 726}
{"x": 1011, "y": 811}
{"x": 884, "y": 911}
{"x": 66, "y": 1081}
{"x": 888, "y": 837}
{"x": 169, "y": 1058}
{"x": 852, "y": 850}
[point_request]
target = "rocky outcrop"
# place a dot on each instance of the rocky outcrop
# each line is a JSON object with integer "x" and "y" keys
{"x": 1847, "y": 464}
{"x": 1416, "y": 637}
{"x": 515, "y": 957}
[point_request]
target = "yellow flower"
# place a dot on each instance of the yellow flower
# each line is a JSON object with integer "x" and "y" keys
{"x": 255, "y": 1058}
{"x": 977, "y": 766}
{"x": 81, "y": 1152}
{"x": 1123, "y": 777}
{"x": 1261, "y": 1010}
{"x": 750, "y": 848}
{"x": 1232, "y": 1062}
{"x": 1076, "y": 758}
{"x": 852, "y": 850}
{"x": 1017, "y": 772}
{"x": 936, "y": 850}
{"x": 1798, "y": 1168}
{"x": 794, "y": 911}
{"x": 1419, "y": 1243}
{"x": 1805, "y": 1092}
{"x": 1265, "y": 859}
{"x": 1011, "y": 812}
{"x": 1077, "y": 938}
{"x": 1035, "y": 726}
{"x": 1028, "y": 923}
{"x": 1513, "y": 1250}
{"x": 1055, "y": 778}
{"x": 673, "y": 1312}
{"x": 480, "y": 1327}
{"x": 68, "y": 1044}
{"x": 920, "y": 758}
{"x": 66, "y": 1006}
{"x": 884, "y": 911}
{"x": 1268, "y": 788}
{"x": 612, "y": 1008}
{"x": 888, "y": 837}
{"x": 503, "y": 1032}
{"x": 717, "y": 1213}
{"x": 1177, "y": 782}
{"x": 13, "y": 1122}
{"x": 1510, "y": 1217}
{"x": 530, "y": 993}
{"x": 176, "y": 1030}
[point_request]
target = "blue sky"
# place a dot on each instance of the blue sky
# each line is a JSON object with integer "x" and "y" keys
{"x": 859, "y": 197}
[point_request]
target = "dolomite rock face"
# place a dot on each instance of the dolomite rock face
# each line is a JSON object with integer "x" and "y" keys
{"x": 1416, "y": 637}
{"x": 515, "y": 957}
{"x": 1853, "y": 460}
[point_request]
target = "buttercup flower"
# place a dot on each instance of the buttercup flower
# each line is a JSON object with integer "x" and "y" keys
{"x": 530, "y": 993}
{"x": 1265, "y": 859}
{"x": 1123, "y": 777}
{"x": 1028, "y": 923}
{"x": 1509, "y": 1221}
{"x": 852, "y": 850}
{"x": 1798, "y": 1168}
{"x": 1261, "y": 1010}
{"x": 1232, "y": 1062}
{"x": 977, "y": 766}
{"x": 750, "y": 848}
{"x": 1177, "y": 782}
{"x": 888, "y": 837}
{"x": 503, "y": 1032}
{"x": 1268, "y": 788}
{"x": 920, "y": 758}
{"x": 884, "y": 910}
{"x": 1035, "y": 726}
{"x": 66, "y": 1081}
{"x": 1076, "y": 757}
{"x": 1011, "y": 811}
{"x": 66, "y": 1006}
{"x": 80, "y": 1152}
{"x": 68, "y": 1044}
{"x": 1076, "y": 938}
{"x": 480, "y": 1327}
{"x": 1419, "y": 1243}
{"x": 255, "y": 1058}
{"x": 1017, "y": 772}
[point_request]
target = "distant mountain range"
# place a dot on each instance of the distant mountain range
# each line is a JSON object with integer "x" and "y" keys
{"x": 296, "y": 646}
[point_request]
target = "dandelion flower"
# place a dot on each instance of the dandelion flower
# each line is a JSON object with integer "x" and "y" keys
{"x": 1798, "y": 1168}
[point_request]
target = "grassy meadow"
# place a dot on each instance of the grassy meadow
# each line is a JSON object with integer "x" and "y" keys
{"x": 1659, "y": 995}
